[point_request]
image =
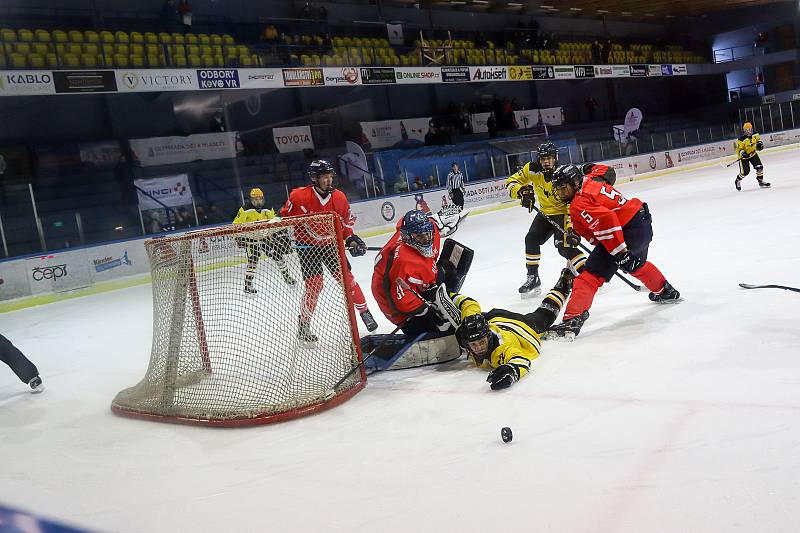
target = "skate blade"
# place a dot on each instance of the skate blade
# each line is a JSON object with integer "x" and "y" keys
{"x": 530, "y": 295}
{"x": 567, "y": 336}
{"x": 669, "y": 302}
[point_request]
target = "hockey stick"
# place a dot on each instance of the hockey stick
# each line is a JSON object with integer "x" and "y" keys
{"x": 634, "y": 286}
{"x": 784, "y": 287}
{"x": 731, "y": 163}
{"x": 332, "y": 391}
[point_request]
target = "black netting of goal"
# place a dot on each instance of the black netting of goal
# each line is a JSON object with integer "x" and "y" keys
{"x": 252, "y": 323}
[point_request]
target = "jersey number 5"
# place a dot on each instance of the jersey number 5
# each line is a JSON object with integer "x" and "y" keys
{"x": 613, "y": 194}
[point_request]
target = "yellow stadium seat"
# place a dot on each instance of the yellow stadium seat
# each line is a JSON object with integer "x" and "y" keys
{"x": 91, "y": 48}
{"x": 18, "y": 60}
{"x": 24, "y": 35}
{"x": 136, "y": 61}
{"x": 152, "y": 49}
{"x": 178, "y": 38}
{"x": 216, "y": 39}
{"x": 8, "y": 35}
{"x": 36, "y": 61}
{"x": 219, "y": 61}
{"x": 59, "y": 36}
{"x": 22, "y": 48}
{"x": 193, "y": 50}
{"x": 89, "y": 60}
{"x": 194, "y": 61}
{"x": 40, "y": 48}
{"x": 91, "y": 37}
{"x": 76, "y": 36}
{"x": 2, "y": 59}
{"x": 207, "y": 61}
{"x": 137, "y": 37}
{"x": 179, "y": 61}
{"x": 178, "y": 50}
{"x": 228, "y": 40}
{"x": 164, "y": 38}
{"x": 122, "y": 37}
{"x": 216, "y": 50}
{"x": 245, "y": 61}
{"x": 107, "y": 49}
{"x": 191, "y": 38}
{"x": 52, "y": 60}
{"x": 243, "y": 50}
{"x": 137, "y": 49}
{"x": 205, "y": 50}
{"x": 106, "y": 37}
{"x": 150, "y": 38}
{"x": 305, "y": 59}
{"x": 123, "y": 49}
{"x": 43, "y": 36}
{"x": 71, "y": 61}
{"x": 74, "y": 49}
{"x": 204, "y": 39}
{"x": 153, "y": 61}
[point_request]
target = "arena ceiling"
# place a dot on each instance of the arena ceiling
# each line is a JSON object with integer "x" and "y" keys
{"x": 618, "y": 9}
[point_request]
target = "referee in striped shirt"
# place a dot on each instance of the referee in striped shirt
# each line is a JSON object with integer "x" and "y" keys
{"x": 455, "y": 186}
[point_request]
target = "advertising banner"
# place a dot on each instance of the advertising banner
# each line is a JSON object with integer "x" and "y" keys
{"x": 583, "y": 71}
{"x": 171, "y": 191}
{"x": 14, "y": 280}
{"x": 84, "y": 81}
{"x": 385, "y": 133}
{"x": 22, "y": 82}
{"x": 654, "y": 70}
{"x": 341, "y": 76}
{"x": 455, "y": 74}
{"x": 117, "y": 260}
{"x": 260, "y": 78}
{"x": 527, "y": 118}
{"x": 603, "y": 71}
{"x": 678, "y": 70}
{"x": 104, "y": 154}
{"x": 554, "y": 116}
{"x": 218, "y": 78}
{"x": 638, "y": 70}
{"x": 488, "y": 73}
{"x": 564, "y": 72}
{"x": 294, "y": 139}
{"x": 479, "y": 122}
{"x": 543, "y": 72}
{"x": 395, "y": 32}
{"x": 376, "y": 75}
{"x": 418, "y": 74}
{"x": 58, "y": 272}
{"x": 520, "y": 73}
{"x": 171, "y": 150}
{"x": 149, "y": 80}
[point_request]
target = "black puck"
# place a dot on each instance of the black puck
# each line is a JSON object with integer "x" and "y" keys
{"x": 506, "y": 434}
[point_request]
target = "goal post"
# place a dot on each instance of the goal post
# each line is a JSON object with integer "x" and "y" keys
{"x": 223, "y": 356}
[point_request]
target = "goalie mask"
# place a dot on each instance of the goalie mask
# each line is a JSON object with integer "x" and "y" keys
{"x": 417, "y": 231}
{"x": 475, "y": 336}
{"x": 257, "y": 197}
{"x": 321, "y": 173}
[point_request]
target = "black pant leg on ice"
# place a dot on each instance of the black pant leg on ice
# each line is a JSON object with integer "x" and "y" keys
{"x": 21, "y": 365}
{"x": 538, "y": 233}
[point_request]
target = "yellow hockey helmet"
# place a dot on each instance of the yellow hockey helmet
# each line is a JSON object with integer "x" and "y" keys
{"x": 255, "y": 192}
{"x": 747, "y": 128}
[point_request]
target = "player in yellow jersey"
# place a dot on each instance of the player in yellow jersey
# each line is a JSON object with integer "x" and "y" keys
{"x": 274, "y": 246}
{"x": 506, "y": 341}
{"x": 746, "y": 147}
{"x": 531, "y": 183}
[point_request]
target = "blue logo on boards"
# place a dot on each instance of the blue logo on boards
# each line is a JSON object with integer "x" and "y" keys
{"x": 218, "y": 78}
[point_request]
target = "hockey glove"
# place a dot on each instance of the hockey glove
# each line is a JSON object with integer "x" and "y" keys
{"x": 355, "y": 245}
{"x": 571, "y": 239}
{"x": 502, "y": 377}
{"x": 759, "y": 145}
{"x": 527, "y": 197}
{"x": 627, "y": 262}
{"x": 742, "y": 154}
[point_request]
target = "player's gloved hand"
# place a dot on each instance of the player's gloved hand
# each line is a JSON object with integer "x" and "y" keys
{"x": 527, "y": 197}
{"x": 759, "y": 145}
{"x": 742, "y": 154}
{"x": 502, "y": 377}
{"x": 355, "y": 245}
{"x": 627, "y": 262}
{"x": 571, "y": 239}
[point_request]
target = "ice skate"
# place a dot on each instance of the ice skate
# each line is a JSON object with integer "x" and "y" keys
{"x": 738, "y": 183}
{"x": 248, "y": 288}
{"x": 286, "y": 276}
{"x": 531, "y": 288}
{"x": 36, "y": 385}
{"x": 304, "y": 333}
{"x": 763, "y": 184}
{"x": 568, "y": 329}
{"x": 667, "y": 295}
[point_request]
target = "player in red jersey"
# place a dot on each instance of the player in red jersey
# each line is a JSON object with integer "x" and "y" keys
{"x": 621, "y": 231}
{"x": 408, "y": 260}
{"x": 323, "y": 197}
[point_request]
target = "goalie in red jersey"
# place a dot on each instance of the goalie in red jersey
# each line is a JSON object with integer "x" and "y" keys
{"x": 323, "y": 197}
{"x": 621, "y": 231}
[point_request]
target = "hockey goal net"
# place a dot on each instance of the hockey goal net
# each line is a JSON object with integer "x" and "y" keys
{"x": 225, "y": 356}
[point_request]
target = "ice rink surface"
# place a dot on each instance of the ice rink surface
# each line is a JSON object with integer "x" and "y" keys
{"x": 657, "y": 418}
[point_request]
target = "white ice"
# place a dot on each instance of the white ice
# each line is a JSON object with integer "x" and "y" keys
{"x": 657, "y": 418}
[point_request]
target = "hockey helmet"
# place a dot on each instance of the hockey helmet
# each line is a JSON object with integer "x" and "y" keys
{"x": 547, "y": 150}
{"x": 256, "y": 197}
{"x": 416, "y": 230}
{"x": 567, "y": 179}
{"x": 318, "y": 168}
{"x": 747, "y": 128}
{"x": 476, "y": 337}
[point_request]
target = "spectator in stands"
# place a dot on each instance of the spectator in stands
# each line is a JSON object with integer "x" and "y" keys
{"x": 270, "y": 34}
{"x": 491, "y": 125}
{"x": 183, "y": 219}
{"x": 400, "y": 185}
{"x": 418, "y": 184}
{"x": 152, "y": 225}
{"x": 605, "y": 54}
{"x": 217, "y": 122}
{"x": 434, "y": 136}
{"x": 591, "y": 107}
{"x": 596, "y": 51}
{"x": 185, "y": 10}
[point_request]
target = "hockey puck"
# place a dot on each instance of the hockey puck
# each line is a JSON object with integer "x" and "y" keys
{"x": 506, "y": 434}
